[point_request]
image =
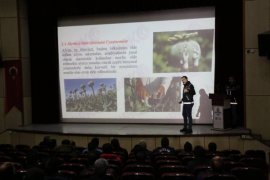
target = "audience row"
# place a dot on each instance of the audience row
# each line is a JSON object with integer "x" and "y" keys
{"x": 111, "y": 161}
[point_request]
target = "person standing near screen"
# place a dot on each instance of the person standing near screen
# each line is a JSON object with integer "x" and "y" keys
{"x": 233, "y": 93}
{"x": 187, "y": 100}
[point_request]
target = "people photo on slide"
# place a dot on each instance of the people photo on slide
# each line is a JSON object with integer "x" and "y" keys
{"x": 152, "y": 94}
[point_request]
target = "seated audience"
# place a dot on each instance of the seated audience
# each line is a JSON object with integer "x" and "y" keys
{"x": 217, "y": 165}
{"x": 200, "y": 158}
{"x": 118, "y": 149}
{"x": 212, "y": 147}
{"x": 100, "y": 168}
{"x": 7, "y": 171}
{"x": 165, "y": 148}
{"x": 65, "y": 148}
{"x": 143, "y": 144}
{"x": 94, "y": 146}
{"x": 109, "y": 155}
{"x": 141, "y": 155}
{"x": 212, "y": 150}
{"x": 47, "y": 143}
{"x": 187, "y": 151}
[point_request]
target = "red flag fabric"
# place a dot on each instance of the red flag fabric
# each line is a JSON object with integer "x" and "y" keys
{"x": 13, "y": 85}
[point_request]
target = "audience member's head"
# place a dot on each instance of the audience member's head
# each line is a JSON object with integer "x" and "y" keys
{"x": 165, "y": 142}
{"x": 140, "y": 152}
{"x": 199, "y": 151}
{"x": 143, "y": 144}
{"x": 188, "y": 147}
{"x": 115, "y": 143}
{"x": 48, "y": 142}
{"x": 212, "y": 147}
{"x": 73, "y": 143}
{"x": 65, "y": 142}
{"x": 46, "y": 139}
{"x": 107, "y": 148}
{"x": 217, "y": 164}
{"x": 101, "y": 166}
{"x": 95, "y": 142}
{"x": 7, "y": 170}
{"x": 91, "y": 147}
{"x": 92, "y": 153}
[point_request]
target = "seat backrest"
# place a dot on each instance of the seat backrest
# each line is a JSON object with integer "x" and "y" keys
{"x": 236, "y": 157}
{"x": 67, "y": 174}
{"x": 137, "y": 176}
{"x": 201, "y": 169}
{"x": 187, "y": 159}
{"x": 75, "y": 167}
{"x": 228, "y": 165}
{"x": 79, "y": 160}
{"x": 177, "y": 176}
{"x": 244, "y": 173}
{"x": 228, "y": 152}
{"x": 6, "y": 148}
{"x": 168, "y": 162}
{"x": 165, "y": 157}
{"x": 23, "y": 147}
{"x": 134, "y": 161}
{"x": 173, "y": 168}
{"x": 221, "y": 177}
{"x": 254, "y": 162}
{"x": 139, "y": 168}
{"x": 256, "y": 154}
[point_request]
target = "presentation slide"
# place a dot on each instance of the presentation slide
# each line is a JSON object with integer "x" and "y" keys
{"x": 130, "y": 72}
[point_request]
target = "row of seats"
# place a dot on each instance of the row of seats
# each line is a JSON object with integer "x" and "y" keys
{"x": 140, "y": 163}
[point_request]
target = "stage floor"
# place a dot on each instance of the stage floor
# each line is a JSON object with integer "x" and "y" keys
{"x": 128, "y": 129}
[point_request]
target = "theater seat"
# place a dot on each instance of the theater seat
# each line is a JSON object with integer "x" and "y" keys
{"x": 187, "y": 159}
{"x": 6, "y": 148}
{"x": 116, "y": 169}
{"x": 167, "y": 162}
{"x": 256, "y": 154}
{"x": 221, "y": 177}
{"x": 67, "y": 174}
{"x": 244, "y": 173}
{"x": 254, "y": 162}
{"x": 228, "y": 165}
{"x": 173, "y": 168}
{"x": 137, "y": 176}
{"x": 177, "y": 176}
{"x": 23, "y": 148}
{"x": 139, "y": 168}
{"x": 75, "y": 167}
{"x": 165, "y": 157}
{"x": 79, "y": 160}
{"x": 134, "y": 161}
{"x": 201, "y": 170}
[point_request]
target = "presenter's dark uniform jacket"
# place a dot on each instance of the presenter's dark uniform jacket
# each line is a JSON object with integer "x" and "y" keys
{"x": 188, "y": 96}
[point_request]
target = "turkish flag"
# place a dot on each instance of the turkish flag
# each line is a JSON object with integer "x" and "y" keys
{"x": 13, "y": 85}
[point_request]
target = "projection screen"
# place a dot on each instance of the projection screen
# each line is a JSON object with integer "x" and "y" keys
{"x": 126, "y": 68}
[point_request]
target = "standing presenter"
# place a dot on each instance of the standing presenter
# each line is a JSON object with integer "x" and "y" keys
{"x": 187, "y": 101}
